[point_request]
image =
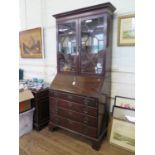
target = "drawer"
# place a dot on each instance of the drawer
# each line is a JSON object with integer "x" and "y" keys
{"x": 52, "y": 103}
{"x": 75, "y": 98}
{"x": 75, "y": 126}
{"x": 92, "y": 111}
{"x": 88, "y": 120}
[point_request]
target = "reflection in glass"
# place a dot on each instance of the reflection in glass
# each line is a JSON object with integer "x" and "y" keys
{"x": 92, "y": 45}
{"x": 67, "y": 47}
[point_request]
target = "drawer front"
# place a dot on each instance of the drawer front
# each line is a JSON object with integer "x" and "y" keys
{"x": 77, "y": 107}
{"x": 91, "y": 121}
{"x": 75, "y": 126}
{"x": 52, "y": 103}
{"x": 66, "y": 111}
{"x": 75, "y": 98}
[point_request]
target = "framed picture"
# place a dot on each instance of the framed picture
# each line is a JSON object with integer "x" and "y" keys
{"x": 124, "y": 102}
{"x": 126, "y": 30}
{"x": 123, "y": 134}
{"x": 31, "y": 43}
{"x": 124, "y": 114}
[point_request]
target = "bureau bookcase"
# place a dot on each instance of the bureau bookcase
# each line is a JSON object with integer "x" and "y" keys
{"x": 80, "y": 92}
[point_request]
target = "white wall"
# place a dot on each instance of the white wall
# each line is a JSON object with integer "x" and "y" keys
{"x": 39, "y": 13}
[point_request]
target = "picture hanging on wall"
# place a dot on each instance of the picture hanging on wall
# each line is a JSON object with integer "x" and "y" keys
{"x": 126, "y": 30}
{"x": 31, "y": 43}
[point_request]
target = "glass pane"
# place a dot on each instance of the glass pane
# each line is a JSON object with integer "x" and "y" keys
{"x": 92, "y": 45}
{"x": 67, "y": 47}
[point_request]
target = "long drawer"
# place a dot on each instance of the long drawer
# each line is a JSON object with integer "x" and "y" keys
{"x": 74, "y": 98}
{"x": 75, "y": 126}
{"x": 88, "y": 120}
{"x": 74, "y": 106}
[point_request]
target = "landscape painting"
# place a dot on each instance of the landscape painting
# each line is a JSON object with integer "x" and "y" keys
{"x": 31, "y": 43}
{"x": 126, "y": 30}
{"x": 123, "y": 134}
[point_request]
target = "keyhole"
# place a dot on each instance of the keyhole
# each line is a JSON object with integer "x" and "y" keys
{"x": 73, "y": 83}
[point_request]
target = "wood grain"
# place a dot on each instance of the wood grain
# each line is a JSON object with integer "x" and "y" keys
{"x": 85, "y": 85}
{"x": 63, "y": 143}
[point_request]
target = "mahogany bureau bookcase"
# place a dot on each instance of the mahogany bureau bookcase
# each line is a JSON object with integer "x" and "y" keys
{"x": 80, "y": 92}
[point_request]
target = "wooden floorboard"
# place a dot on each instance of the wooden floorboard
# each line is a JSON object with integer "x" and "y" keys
{"x": 62, "y": 142}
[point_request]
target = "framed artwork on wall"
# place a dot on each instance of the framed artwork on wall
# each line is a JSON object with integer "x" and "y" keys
{"x": 126, "y": 30}
{"x": 123, "y": 134}
{"x": 31, "y": 43}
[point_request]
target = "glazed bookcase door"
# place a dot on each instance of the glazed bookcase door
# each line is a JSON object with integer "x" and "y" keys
{"x": 67, "y": 46}
{"x": 92, "y": 45}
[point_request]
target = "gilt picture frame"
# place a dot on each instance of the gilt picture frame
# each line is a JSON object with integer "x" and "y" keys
{"x": 123, "y": 134}
{"x": 30, "y": 42}
{"x": 126, "y": 30}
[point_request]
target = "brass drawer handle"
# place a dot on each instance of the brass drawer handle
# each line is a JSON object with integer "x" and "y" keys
{"x": 70, "y": 122}
{"x": 70, "y": 113}
{"x": 55, "y": 94}
{"x": 56, "y": 101}
{"x": 70, "y": 104}
{"x": 85, "y": 131}
{"x": 57, "y": 121}
{"x": 86, "y": 112}
{"x": 85, "y": 120}
{"x": 86, "y": 101}
{"x": 69, "y": 97}
{"x": 56, "y": 110}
